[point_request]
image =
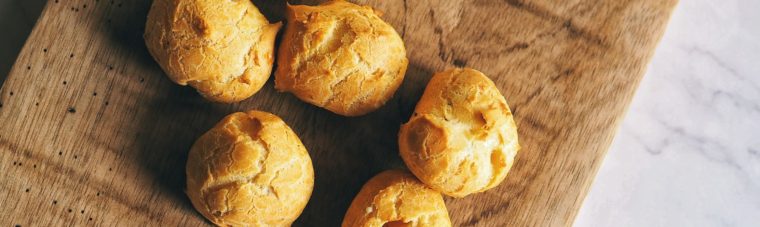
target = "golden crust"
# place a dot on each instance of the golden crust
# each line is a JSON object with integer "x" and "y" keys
{"x": 340, "y": 56}
{"x": 224, "y": 49}
{"x": 462, "y": 138}
{"x": 396, "y": 197}
{"x": 250, "y": 169}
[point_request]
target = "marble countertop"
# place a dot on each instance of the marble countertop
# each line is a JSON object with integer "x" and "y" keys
{"x": 688, "y": 152}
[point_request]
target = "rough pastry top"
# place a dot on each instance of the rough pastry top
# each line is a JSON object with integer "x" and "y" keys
{"x": 340, "y": 56}
{"x": 462, "y": 137}
{"x": 250, "y": 169}
{"x": 224, "y": 49}
{"x": 396, "y": 197}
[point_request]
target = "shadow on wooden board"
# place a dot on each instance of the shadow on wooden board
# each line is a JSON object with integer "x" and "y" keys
{"x": 17, "y": 19}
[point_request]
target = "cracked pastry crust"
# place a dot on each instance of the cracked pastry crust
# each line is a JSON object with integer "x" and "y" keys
{"x": 249, "y": 170}
{"x": 224, "y": 49}
{"x": 341, "y": 57}
{"x": 396, "y": 198}
{"x": 462, "y": 138}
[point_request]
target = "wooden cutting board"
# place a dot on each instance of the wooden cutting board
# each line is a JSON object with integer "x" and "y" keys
{"x": 93, "y": 133}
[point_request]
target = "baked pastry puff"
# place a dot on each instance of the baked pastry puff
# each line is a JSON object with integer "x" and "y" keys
{"x": 396, "y": 198}
{"x": 224, "y": 49}
{"x": 462, "y": 138}
{"x": 249, "y": 170}
{"x": 341, "y": 57}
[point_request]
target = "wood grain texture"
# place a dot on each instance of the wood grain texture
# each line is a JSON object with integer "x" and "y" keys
{"x": 93, "y": 133}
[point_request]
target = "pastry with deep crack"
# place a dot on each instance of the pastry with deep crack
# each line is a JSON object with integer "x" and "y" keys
{"x": 462, "y": 138}
{"x": 223, "y": 49}
{"x": 396, "y": 198}
{"x": 341, "y": 57}
{"x": 250, "y": 169}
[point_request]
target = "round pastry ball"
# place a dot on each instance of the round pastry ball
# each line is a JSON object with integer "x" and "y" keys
{"x": 462, "y": 138}
{"x": 250, "y": 169}
{"x": 224, "y": 49}
{"x": 396, "y": 198}
{"x": 341, "y": 57}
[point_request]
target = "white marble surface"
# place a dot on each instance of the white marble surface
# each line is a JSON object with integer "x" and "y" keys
{"x": 688, "y": 153}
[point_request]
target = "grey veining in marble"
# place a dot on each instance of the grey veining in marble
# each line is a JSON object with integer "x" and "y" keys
{"x": 687, "y": 153}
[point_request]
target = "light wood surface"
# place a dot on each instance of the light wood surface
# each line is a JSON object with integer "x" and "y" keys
{"x": 93, "y": 133}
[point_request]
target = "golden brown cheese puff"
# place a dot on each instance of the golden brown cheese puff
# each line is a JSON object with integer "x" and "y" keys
{"x": 224, "y": 49}
{"x": 340, "y": 56}
{"x": 250, "y": 169}
{"x": 396, "y": 198}
{"x": 462, "y": 138}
